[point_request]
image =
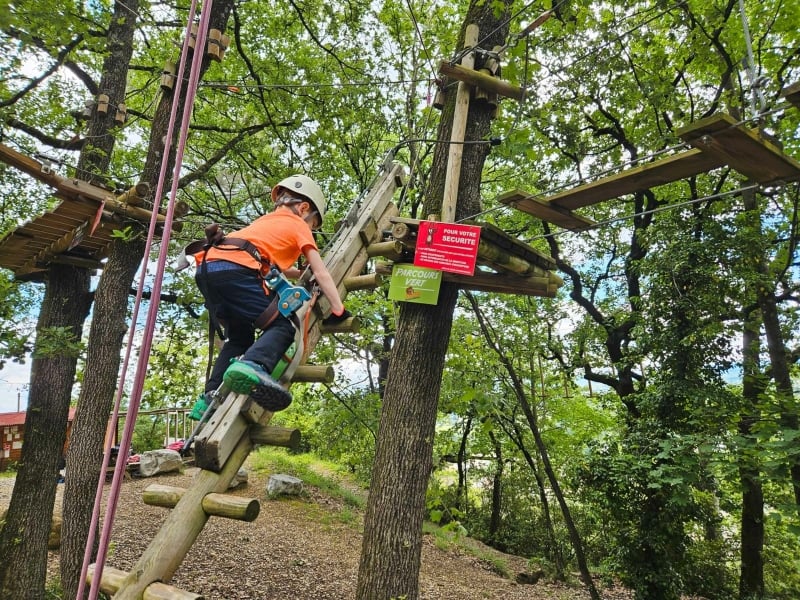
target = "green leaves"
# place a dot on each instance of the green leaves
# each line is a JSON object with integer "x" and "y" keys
{"x": 57, "y": 342}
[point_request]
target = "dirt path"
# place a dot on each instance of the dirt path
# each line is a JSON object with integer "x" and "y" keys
{"x": 306, "y": 548}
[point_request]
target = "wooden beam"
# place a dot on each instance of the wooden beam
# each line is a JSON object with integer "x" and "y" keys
{"x": 636, "y": 179}
{"x": 182, "y": 526}
{"x": 363, "y": 282}
{"x": 314, "y": 374}
{"x": 351, "y": 325}
{"x": 77, "y": 261}
{"x": 498, "y": 237}
{"x": 501, "y": 283}
{"x": 453, "y": 173}
{"x": 269, "y": 435}
{"x": 215, "y": 505}
{"x": 136, "y": 195}
{"x": 481, "y": 80}
{"x": 505, "y": 262}
{"x": 73, "y": 189}
{"x": 393, "y": 250}
{"x": 792, "y": 94}
{"x": 545, "y": 211}
{"x": 220, "y": 436}
{"x": 724, "y": 138}
{"x": 112, "y": 580}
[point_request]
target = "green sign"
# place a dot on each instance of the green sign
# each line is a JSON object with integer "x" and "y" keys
{"x": 415, "y": 284}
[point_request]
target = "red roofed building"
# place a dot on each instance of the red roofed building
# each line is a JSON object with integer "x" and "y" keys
{"x": 12, "y": 430}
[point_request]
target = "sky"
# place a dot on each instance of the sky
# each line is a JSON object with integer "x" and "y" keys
{"x": 14, "y": 379}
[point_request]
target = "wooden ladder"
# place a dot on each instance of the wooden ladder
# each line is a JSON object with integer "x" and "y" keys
{"x": 238, "y": 424}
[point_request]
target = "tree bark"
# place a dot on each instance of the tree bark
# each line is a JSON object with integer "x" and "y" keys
{"x": 68, "y": 292}
{"x": 532, "y": 417}
{"x": 461, "y": 465}
{"x": 553, "y": 551}
{"x": 495, "y": 520}
{"x": 23, "y": 539}
{"x": 754, "y": 382}
{"x": 105, "y": 342}
{"x": 390, "y": 555}
{"x": 751, "y": 575}
{"x": 85, "y": 452}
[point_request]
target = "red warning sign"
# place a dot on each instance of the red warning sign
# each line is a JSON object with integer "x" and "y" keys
{"x": 447, "y": 247}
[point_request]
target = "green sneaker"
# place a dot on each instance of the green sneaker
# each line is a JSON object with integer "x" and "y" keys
{"x": 248, "y": 377}
{"x": 199, "y": 408}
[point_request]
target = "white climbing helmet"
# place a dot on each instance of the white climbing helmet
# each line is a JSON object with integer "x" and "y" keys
{"x": 303, "y": 186}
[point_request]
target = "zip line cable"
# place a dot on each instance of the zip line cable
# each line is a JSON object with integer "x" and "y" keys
{"x": 421, "y": 41}
{"x": 595, "y": 50}
{"x": 415, "y": 156}
{"x": 144, "y": 351}
{"x": 756, "y": 94}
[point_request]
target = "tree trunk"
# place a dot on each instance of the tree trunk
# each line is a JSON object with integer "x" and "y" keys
{"x": 68, "y": 291}
{"x": 778, "y": 352}
{"x": 23, "y": 540}
{"x": 754, "y": 382}
{"x": 84, "y": 453}
{"x": 390, "y": 555}
{"x": 495, "y": 520}
{"x": 105, "y": 342}
{"x": 461, "y": 465}
{"x": 574, "y": 536}
{"x": 91, "y": 418}
{"x": 781, "y": 374}
{"x": 751, "y": 576}
{"x": 554, "y": 553}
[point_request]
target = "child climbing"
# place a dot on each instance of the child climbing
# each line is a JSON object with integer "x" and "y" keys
{"x": 231, "y": 276}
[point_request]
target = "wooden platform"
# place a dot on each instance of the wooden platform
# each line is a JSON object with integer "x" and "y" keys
{"x": 78, "y": 231}
{"x": 642, "y": 177}
{"x": 64, "y": 235}
{"x": 716, "y": 141}
{"x": 552, "y": 213}
{"x": 743, "y": 149}
{"x": 792, "y": 94}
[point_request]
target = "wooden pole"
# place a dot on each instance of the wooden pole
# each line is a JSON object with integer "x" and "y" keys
{"x": 182, "y": 526}
{"x": 314, "y": 374}
{"x": 275, "y": 436}
{"x": 481, "y": 80}
{"x": 218, "y": 505}
{"x": 112, "y": 580}
{"x": 453, "y": 175}
{"x": 393, "y": 250}
{"x": 363, "y": 282}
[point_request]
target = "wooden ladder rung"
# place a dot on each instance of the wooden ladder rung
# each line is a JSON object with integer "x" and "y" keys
{"x": 216, "y": 505}
{"x": 112, "y": 579}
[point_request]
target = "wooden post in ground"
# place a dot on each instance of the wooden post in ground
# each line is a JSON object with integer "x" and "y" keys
{"x": 453, "y": 175}
{"x": 182, "y": 526}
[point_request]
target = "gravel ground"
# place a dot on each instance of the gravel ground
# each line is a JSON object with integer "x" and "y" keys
{"x": 302, "y": 548}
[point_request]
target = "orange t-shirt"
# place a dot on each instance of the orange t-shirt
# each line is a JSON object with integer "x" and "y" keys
{"x": 281, "y": 237}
